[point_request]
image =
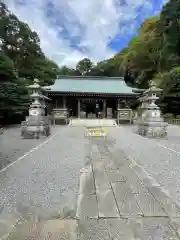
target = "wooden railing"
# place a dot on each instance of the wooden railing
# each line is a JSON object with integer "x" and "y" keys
{"x": 173, "y": 121}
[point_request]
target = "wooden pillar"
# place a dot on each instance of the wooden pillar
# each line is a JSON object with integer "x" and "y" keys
{"x": 104, "y": 108}
{"x": 54, "y": 121}
{"x": 118, "y": 104}
{"x": 118, "y": 107}
{"x": 64, "y": 102}
{"x": 125, "y": 101}
{"x": 79, "y": 106}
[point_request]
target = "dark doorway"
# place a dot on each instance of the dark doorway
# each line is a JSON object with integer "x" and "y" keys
{"x": 72, "y": 105}
{"x": 91, "y": 107}
{"x": 112, "y": 104}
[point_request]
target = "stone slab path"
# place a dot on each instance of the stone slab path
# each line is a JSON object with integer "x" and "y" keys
{"x": 159, "y": 157}
{"x": 79, "y": 188}
{"x": 114, "y": 203}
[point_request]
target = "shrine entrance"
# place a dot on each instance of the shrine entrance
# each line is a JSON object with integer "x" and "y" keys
{"x": 91, "y": 108}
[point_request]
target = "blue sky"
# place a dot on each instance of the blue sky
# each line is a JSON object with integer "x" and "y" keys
{"x": 70, "y": 30}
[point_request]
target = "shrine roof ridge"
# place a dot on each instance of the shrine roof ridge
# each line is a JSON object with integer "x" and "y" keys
{"x": 89, "y": 77}
{"x": 90, "y": 84}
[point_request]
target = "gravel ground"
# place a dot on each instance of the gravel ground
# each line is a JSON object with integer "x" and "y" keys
{"x": 12, "y": 146}
{"x": 159, "y": 157}
{"x": 45, "y": 182}
{"x": 113, "y": 203}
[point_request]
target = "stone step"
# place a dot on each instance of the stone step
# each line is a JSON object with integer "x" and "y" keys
{"x": 93, "y": 122}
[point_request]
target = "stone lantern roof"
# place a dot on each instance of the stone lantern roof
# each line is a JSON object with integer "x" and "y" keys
{"x": 35, "y": 85}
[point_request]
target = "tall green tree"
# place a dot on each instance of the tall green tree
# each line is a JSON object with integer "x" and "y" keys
{"x": 14, "y": 97}
{"x": 21, "y": 60}
{"x": 22, "y": 45}
{"x": 84, "y": 66}
{"x": 68, "y": 71}
{"x": 170, "y": 28}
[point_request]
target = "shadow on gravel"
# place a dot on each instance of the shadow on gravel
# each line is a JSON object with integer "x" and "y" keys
{"x": 12, "y": 146}
{"x": 56, "y": 222}
{"x": 51, "y": 229}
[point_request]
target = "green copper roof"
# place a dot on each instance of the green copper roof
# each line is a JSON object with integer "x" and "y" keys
{"x": 113, "y": 85}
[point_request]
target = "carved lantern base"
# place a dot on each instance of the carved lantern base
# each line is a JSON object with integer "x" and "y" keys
{"x": 152, "y": 129}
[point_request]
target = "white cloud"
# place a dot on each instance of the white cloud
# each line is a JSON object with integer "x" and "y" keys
{"x": 89, "y": 24}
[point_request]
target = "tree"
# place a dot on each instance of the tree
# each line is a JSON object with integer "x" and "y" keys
{"x": 68, "y": 71}
{"x": 170, "y": 25}
{"x": 6, "y": 73}
{"x": 169, "y": 81}
{"x": 142, "y": 56}
{"x": 13, "y": 92}
{"x": 22, "y": 46}
{"x": 21, "y": 60}
{"x": 84, "y": 66}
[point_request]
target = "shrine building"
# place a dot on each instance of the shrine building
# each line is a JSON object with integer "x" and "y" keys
{"x": 90, "y": 97}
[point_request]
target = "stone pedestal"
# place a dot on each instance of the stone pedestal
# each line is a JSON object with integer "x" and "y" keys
{"x": 152, "y": 129}
{"x": 124, "y": 115}
{"x": 35, "y": 127}
{"x": 60, "y": 115}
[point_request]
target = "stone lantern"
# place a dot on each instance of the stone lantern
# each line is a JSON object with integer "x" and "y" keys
{"x": 37, "y": 107}
{"x": 36, "y": 123}
{"x": 151, "y": 123}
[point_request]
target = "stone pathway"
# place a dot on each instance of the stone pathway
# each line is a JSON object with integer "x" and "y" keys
{"x": 114, "y": 203}
{"x": 116, "y": 200}
{"x": 159, "y": 157}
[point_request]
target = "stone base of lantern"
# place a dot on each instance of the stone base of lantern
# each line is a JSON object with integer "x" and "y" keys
{"x": 152, "y": 129}
{"x": 35, "y": 127}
